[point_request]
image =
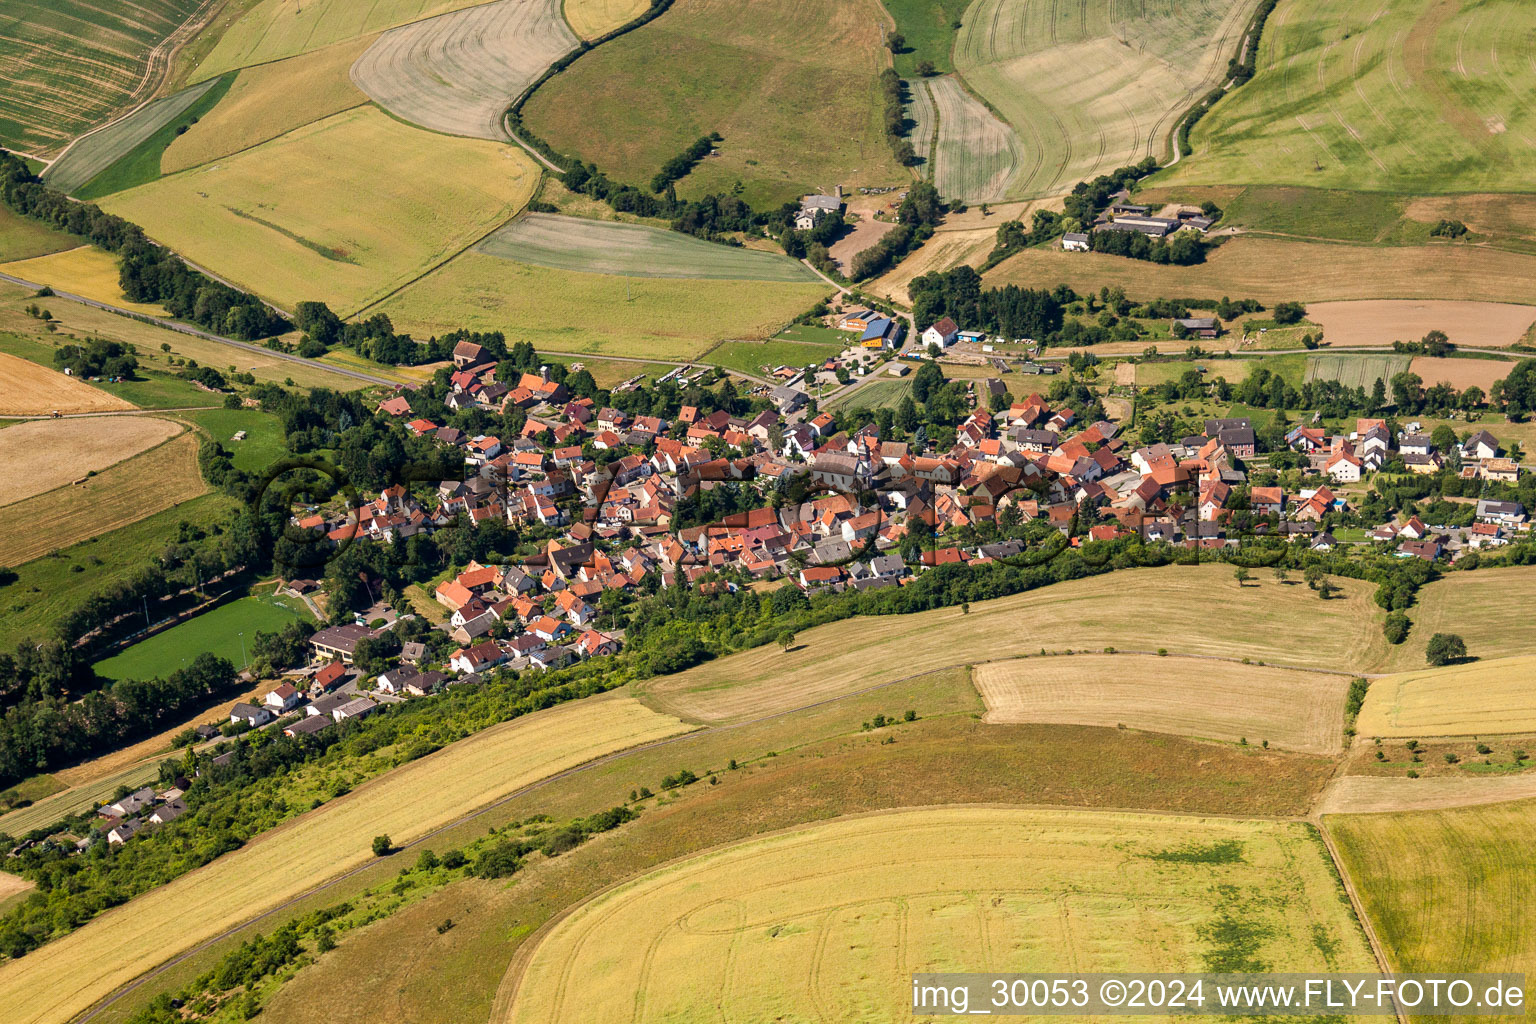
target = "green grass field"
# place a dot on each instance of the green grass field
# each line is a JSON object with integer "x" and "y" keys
{"x": 1421, "y": 95}
{"x": 264, "y": 443}
{"x": 596, "y": 314}
{"x": 283, "y": 219}
{"x": 1447, "y": 890}
{"x": 929, "y": 27}
{"x": 214, "y": 631}
{"x": 751, "y": 357}
{"x": 151, "y": 390}
{"x": 633, "y": 250}
{"x": 1357, "y": 371}
{"x": 1091, "y": 85}
{"x": 791, "y": 87}
{"x": 22, "y": 238}
{"x": 135, "y": 141}
{"x": 48, "y": 586}
{"x": 69, "y": 65}
{"x": 142, "y": 164}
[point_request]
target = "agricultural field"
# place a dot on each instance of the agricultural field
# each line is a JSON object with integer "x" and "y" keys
{"x": 458, "y": 73}
{"x": 76, "y": 799}
{"x": 125, "y": 941}
{"x": 594, "y": 314}
{"x": 47, "y": 586}
{"x": 99, "y": 151}
{"x": 1477, "y": 324}
{"x": 1089, "y": 89}
{"x": 760, "y": 357}
{"x": 1487, "y": 697}
{"x": 883, "y": 393}
{"x": 633, "y": 250}
{"x": 22, "y": 238}
{"x": 1446, "y": 890}
{"x": 1461, "y": 373}
{"x": 214, "y": 632}
{"x": 266, "y": 102}
{"x": 1280, "y": 270}
{"x": 929, "y": 27}
{"x": 838, "y": 916}
{"x": 134, "y": 489}
{"x": 282, "y": 219}
{"x": 1376, "y": 794}
{"x": 1488, "y": 608}
{"x": 39, "y": 455}
{"x": 70, "y": 65}
{"x": 1357, "y": 371}
{"x": 1302, "y": 711}
{"x": 273, "y": 30}
{"x": 777, "y": 81}
{"x": 1424, "y": 96}
{"x": 944, "y": 250}
{"x": 592, "y": 18}
{"x": 977, "y": 156}
{"x": 1285, "y": 624}
{"x": 86, "y": 271}
{"x": 27, "y": 389}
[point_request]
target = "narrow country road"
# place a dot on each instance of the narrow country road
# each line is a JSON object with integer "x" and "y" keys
{"x": 171, "y": 325}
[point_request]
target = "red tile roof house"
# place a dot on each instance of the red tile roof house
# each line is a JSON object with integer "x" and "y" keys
{"x": 477, "y": 658}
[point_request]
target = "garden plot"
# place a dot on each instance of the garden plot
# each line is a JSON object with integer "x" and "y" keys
{"x": 459, "y": 72}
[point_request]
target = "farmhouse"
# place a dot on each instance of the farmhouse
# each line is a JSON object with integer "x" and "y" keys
{"x": 1156, "y": 227}
{"x": 1075, "y": 241}
{"x": 942, "y": 333}
{"x": 1199, "y": 326}
{"x": 813, "y": 209}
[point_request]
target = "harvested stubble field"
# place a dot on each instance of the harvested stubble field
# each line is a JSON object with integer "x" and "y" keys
{"x": 85, "y": 271}
{"x": 267, "y": 102}
{"x": 276, "y": 29}
{"x": 838, "y": 916}
{"x": 1357, "y": 371}
{"x": 596, "y": 314}
{"x": 1481, "y": 698}
{"x": 1279, "y": 270}
{"x": 1489, "y": 608}
{"x": 1447, "y": 890}
{"x": 1223, "y": 700}
{"x": 27, "y": 389}
{"x": 283, "y": 219}
{"x": 1461, "y": 373}
{"x": 777, "y": 80}
{"x": 1479, "y": 324}
{"x": 886, "y": 393}
{"x": 1375, "y": 794}
{"x": 458, "y": 73}
{"x": 592, "y": 18}
{"x": 40, "y": 455}
{"x": 100, "y": 150}
{"x": 1423, "y": 95}
{"x": 68, "y": 65}
{"x": 977, "y": 156}
{"x": 634, "y": 250}
{"x": 22, "y": 238}
{"x": 125, "y": 493}
{"x": 1091, "y": 85}
{"x": 1287, "y": 625}
{"x": 322, "y": 843}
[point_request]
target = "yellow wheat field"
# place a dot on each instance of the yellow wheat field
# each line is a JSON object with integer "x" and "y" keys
{"x": 268, "y": 101}
{"x": 1476, "y": 699}
{"x": 286, "y": 219}
{"x": 1489, "y": 609}
{"x": 406, "y": 803}
{"x": 828, "y": 923}
{"x": 591, "y": 18}
{"x": 87, "y": 271}
{"x": 1223, "y": 700}
{"x": 1186, "y": 609}
{"x": 40, "y": 455}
